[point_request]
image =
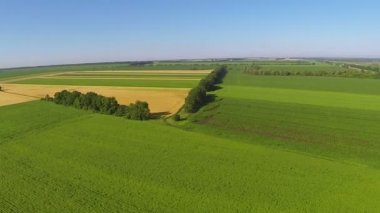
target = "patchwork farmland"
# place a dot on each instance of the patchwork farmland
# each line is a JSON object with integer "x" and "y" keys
{"x": 164, "y": 90}
{"x": 273, "y": 136}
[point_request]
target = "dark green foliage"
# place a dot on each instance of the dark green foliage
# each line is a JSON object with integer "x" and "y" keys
{"x": 138, "y": 111}
{"x": 176, "y": 117}
{"x": 121, "y": 110}
{"x": 334, "y": 70}
{"x": 215, "y": 77}
{"x": 197, "y": 97}
{"x": 101, "y": 104}
{"x": 374, "y": 68}
{"x": 47, "y": 98}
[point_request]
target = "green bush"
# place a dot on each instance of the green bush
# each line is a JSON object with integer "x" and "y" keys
{"x": 138, "y": 111}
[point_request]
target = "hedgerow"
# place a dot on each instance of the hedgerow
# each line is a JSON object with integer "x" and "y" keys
{"x": 197, "y": 97}
{"x": 340, "y": 71}
{"x": 101, "y": 104}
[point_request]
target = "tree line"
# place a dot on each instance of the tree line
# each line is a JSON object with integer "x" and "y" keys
{"x": 101, "y": 104}
{"x": 375, "y": 68}
{"x": 342, "y": 71}
{"x": 197, "y": 97}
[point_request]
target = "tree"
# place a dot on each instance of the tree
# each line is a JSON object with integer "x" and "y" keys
{"x": 195, "y": 100}
{"x": 138, "y": 111}
{"x": 121, "y": 111}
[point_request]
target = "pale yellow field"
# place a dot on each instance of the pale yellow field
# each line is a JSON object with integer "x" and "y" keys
{"x": 159, "y": 99}
{"x": 123, "y": 78}
{"x": 8, "y": 99}
{"x": 149, "y": 71}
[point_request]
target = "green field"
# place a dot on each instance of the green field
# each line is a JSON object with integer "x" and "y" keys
{"x": 131, "y": 78}
{"x": 113, "y": 82}
{"x": 70, "y": 160}
{"x": 266, "y": 144}
{"x": 332, "y": 117}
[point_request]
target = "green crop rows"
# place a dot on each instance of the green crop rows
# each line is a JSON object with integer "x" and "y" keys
{"x": 265, "y": 144}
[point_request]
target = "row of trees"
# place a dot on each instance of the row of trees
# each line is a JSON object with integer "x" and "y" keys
{"x": 338, "y": 71}
{"x": 375, "y": 68}
{"x": 101, "y": 104}
{"x": 197, "y": 97}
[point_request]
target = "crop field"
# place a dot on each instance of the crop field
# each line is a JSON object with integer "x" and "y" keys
{"x": 164, "y": 90}
{"x": 264, "y": 143}
{"x": 152, "y": 78}
{"x": 55, "y": 158}
{"x": 325, "y": 116}
{"x": 7, "y": 99}
{"x": 161, "y": 100}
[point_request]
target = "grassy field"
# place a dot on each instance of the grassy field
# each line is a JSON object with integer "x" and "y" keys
{"x": 55, "y": 158}
{"x": 266, "y": 144}
{"x": 324, "y": 116}
{"x": 306, "y": 83}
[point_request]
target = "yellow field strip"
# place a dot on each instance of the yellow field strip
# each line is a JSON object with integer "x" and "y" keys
{"x": 149, "y": 71}
{"x": 9, "y": 99}
{"x": 122, "y": 78}
{"x": 155, "y": 72}
{"x": 160, "y": 100}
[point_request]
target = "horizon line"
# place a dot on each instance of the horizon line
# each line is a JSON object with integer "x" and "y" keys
{"x": 192, "y": 59}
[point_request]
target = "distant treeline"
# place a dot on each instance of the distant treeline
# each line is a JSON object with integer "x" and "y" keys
{"x": 101, "y": 104}
{"x": 141, "y": 63}
{"x": 341, "y": 71}
{"x": 197, "y": 97}
{"x": 374, "y": 68}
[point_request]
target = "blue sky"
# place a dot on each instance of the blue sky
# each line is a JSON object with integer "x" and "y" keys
{"x": 40, "y": 32}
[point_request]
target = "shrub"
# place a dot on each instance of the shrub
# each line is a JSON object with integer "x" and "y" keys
{"x": 138, "y": 111}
